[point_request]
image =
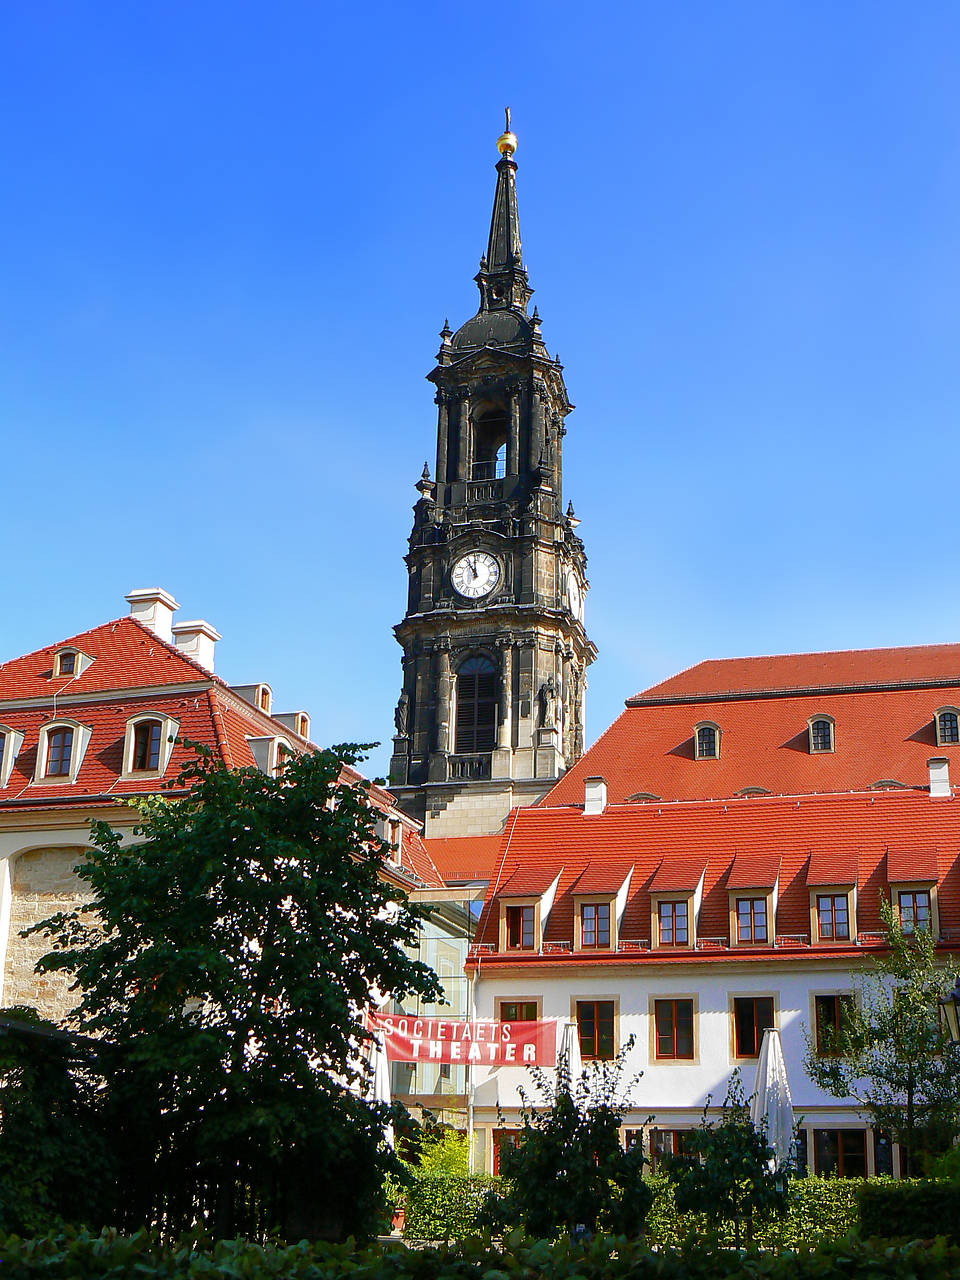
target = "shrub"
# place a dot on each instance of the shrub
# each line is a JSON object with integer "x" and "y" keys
{"x": 915, "y": 1210}
{"x": 819, "y": 1210}
{"x": 81, "y": 1256}
{"x": 444, "y": 1206}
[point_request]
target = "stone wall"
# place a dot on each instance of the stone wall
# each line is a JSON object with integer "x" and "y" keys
{"x": 42, "y": 882}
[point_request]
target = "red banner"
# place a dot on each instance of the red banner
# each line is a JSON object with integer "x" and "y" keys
{"x": 483, "y": 1041}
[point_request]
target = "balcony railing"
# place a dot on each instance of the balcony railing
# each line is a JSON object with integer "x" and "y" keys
{"x": 469, "y": 768}
{"x": 485, "y": 490}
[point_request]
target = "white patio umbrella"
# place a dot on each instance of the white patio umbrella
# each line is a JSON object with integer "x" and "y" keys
{"x": 379, "y": 1086}
{"x": 771, "y": 1108}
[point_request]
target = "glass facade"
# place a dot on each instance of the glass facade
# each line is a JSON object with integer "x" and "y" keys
{"x": 445, "y": 935}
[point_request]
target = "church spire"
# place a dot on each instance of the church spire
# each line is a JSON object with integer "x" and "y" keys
{"x": 502, "y": 279}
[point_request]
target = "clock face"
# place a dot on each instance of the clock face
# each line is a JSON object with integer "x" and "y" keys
{"x": 476, "y": 574}
{"x": 574, "y": 599}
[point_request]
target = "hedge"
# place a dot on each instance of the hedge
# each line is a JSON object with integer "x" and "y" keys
{"x": 918, "y": 1209}
{"x": 442, "y": 1207}
{"x": 81, "y": 1256}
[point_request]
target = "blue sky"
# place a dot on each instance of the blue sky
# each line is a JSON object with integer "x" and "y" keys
{"x": 231, "y": 232}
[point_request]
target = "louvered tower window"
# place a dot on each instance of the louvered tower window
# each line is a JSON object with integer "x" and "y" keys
{"x": 476, "y": 706}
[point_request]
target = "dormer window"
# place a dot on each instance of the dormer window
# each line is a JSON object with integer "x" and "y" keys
{"x": 595, "y": 924}
{"x": 282, "y": 758}
{"x": 820, "y": 730}
{"x": 148, "y": 745}
{"x": 263, "y": 699}
{"x": 912, "y": 875}
{"x": 59, "y": 753}
{"x": 69, "y": 663}
{"x": 706, "y": 740}
{"x": 10, "y": 742}
{"x": 947, "y": 721}
{"x": 303, "y": 725}
{"x": 521, "y": 926}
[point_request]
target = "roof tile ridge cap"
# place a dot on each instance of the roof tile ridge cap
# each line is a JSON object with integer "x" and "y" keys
{"x": 792, "y": 691}
{"x": 59, "y": 644}
{"x": 676, "y": 676}
{"x": 219, "y": 728}
{"x": 172, "y": 648}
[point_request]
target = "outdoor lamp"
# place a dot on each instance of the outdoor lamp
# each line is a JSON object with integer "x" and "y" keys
{"x": 950, "y": 1004}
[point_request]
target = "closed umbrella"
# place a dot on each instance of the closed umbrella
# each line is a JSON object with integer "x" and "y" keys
{"x": 570, "y": 1054}
{"x": 378, "y": 1088}
{"x": 771, "y": 1108}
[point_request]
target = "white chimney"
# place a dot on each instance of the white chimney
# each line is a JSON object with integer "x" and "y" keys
{"x": 155, "y": 608}
{"x": 197, "y": 640}
{"x": 939, "y": 767}
{"x": 594, "y": 795}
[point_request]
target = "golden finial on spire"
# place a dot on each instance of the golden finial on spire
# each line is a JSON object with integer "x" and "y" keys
{"x": 507, "y": 142}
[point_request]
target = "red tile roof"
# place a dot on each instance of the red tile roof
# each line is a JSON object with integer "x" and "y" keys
{"x": 754, "y": 871}
{"x": 603, "y": 877}
{"x": 529, "y": 880}
{"x": 832, "y": 866}
{"x": 678, "y": 874}
{"x": 127, "y": 655}
{"x": 798, "y": 672}
{"x": 851, "y": 829}
{"x": 879, "y": 736}
{"x": 904, "y": 865}
{"x": 460, "y": 858}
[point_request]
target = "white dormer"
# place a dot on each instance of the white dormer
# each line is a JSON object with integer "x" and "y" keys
{"x": 261, "y": 697}
{"x": 11, "y": 740}
{"x": 148, "y": 745}
{"x": 60, "y": 750}
{"x": 69, "y": 662}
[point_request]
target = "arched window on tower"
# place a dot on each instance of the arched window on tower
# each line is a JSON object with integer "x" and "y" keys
{"x": 489, "y": 445}
{"x": 476, "y": 706}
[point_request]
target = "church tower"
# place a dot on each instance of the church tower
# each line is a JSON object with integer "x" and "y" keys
{"x": 494, "y": 647}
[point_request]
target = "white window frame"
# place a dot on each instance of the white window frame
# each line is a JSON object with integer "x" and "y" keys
{"x": 168, "y": 732}
{"x": 12, "y": 742}
{"x": 81, "y": 740}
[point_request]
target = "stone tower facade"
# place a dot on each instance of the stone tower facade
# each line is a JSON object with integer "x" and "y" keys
{"x": 495, "y": 653}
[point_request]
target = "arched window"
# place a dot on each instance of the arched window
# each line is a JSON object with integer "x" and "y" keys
{"x": 147, "y": 738}
{"x": 947, "y": 721}
{"x": 489, "y": 445}
{"x": 476, "y": 706}
{"x": 59, "y": 750}
{"x": 707, "y": 741}
{"x": 820, "y": 729}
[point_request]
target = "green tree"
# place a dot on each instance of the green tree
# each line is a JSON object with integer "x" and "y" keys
{"x": 727, "y": 1171}
{"x": 225, "y": 957}
{"x": 568, "y": 1168}
{"x": 55, "y": 1159}
{"x": 890, "y": 1052}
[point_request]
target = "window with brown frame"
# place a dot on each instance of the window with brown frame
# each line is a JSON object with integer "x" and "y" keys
{"x": 476, "y": 724}
{"x": 841, "y": 1152}
{"x": 673, "y": 923}
{"x": 751, "y": 919}
{"x": 264, "y": 699}
{"x": 503, "y": 1138}
{"x": 283, "y": 759}
{"x": 751, "y": 1017}
{"x": 146, "y": 745}
{"x": 673, "y": 1021}
{"x": 833, "y": 917}
{"x": 596, "y": 1028}
{"x": 519, "y": 1011}
{"x": 914, "y": 909}
{"x": 665, "y": 1143}
{"x": 67, "y": 663}
{"x": 632, "y": 1138}
{"x": 832, "y": 1013}
{"x": 59, "y": 751}
{"x": 520, "y": 921}
{"x": 595, "y": 924}
{"x": 707, "y": 742}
